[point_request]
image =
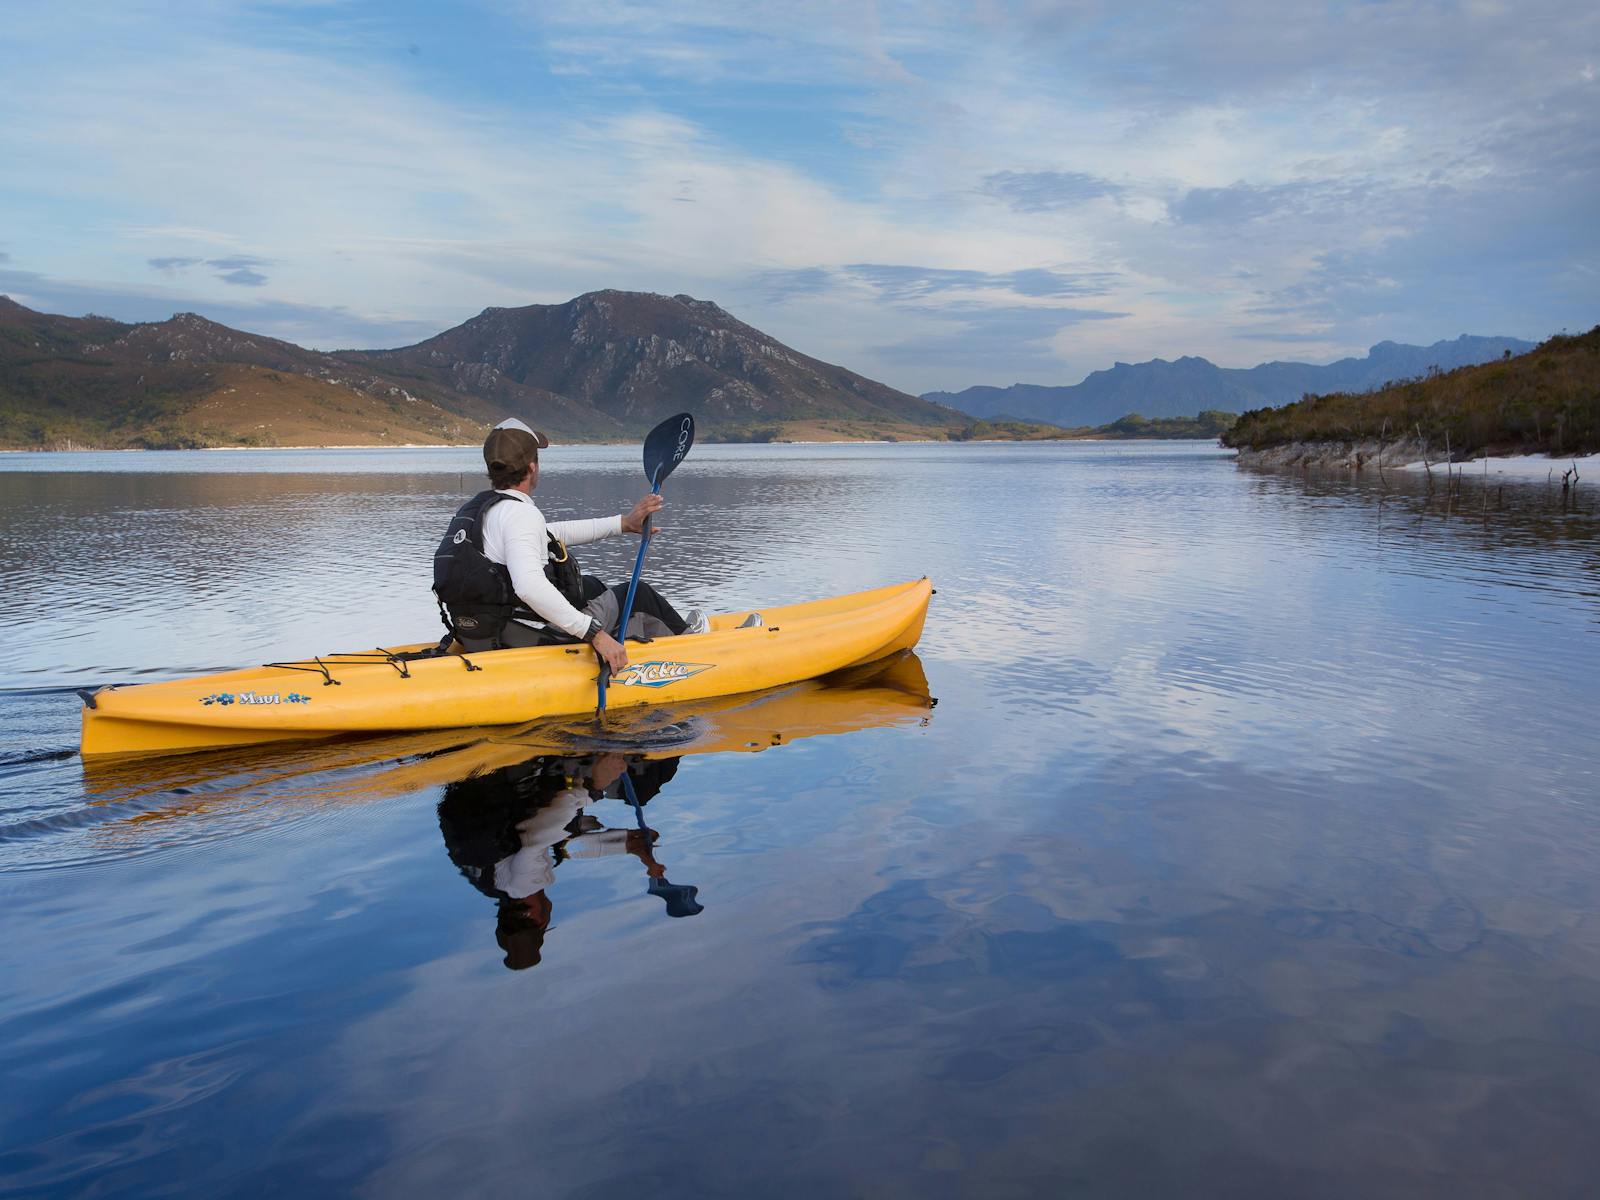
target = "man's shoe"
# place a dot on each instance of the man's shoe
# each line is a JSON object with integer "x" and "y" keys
{"x": 697, "y": 621}
{"x": 753, "y": 621}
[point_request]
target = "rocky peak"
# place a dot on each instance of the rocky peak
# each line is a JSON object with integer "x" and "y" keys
{"x": 637, "y": 356}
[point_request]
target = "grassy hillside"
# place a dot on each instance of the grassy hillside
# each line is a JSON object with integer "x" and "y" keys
{"x": 85, "y": 382}
{"x": 1009, "y": 429}
{"x": 1546, "y": 400}
{"x": 186, "y": 406}
{"x": 43, "y": 358}
{"x": 1205, "y": 426}
{"x": 1209, "y": 424}
{"x": 250, "y": 406}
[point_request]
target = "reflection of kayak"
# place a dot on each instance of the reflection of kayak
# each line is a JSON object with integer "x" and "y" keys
{"x": 384, "y": 691}
{"x": 896, "y": 694}
{"x": 121, "y": 779}
{"x": 893, "y": 692}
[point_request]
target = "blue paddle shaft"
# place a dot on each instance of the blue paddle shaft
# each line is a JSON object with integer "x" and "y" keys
{"x": 638, "y": 566}
{"x": 627, "y": 606}
{"x": 633, "y": 799}
{"x": 664, "y": 448}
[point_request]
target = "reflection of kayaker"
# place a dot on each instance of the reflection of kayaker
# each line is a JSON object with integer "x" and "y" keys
{"x": 508, "y": 830}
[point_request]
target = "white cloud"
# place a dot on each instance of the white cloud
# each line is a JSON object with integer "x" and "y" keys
{"x": 1309, "y": 142}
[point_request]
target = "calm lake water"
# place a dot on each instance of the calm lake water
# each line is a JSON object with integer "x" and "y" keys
{"x": 1252, "y": 849}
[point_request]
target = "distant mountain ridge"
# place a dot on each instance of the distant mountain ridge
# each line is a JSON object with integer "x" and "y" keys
{"x": 1190, "y": 385}
{"x": 603, "y": 366}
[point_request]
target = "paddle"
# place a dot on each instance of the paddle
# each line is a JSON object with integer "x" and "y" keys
{"x": 664, "y": 449}
{"x": 681, "y": 898}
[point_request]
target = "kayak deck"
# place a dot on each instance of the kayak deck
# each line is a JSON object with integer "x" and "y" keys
{"x": 381, "y": 691}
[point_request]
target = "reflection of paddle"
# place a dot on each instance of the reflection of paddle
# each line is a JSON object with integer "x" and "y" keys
{"x": 664, "y": 449}
{"x": 680, "y": 897}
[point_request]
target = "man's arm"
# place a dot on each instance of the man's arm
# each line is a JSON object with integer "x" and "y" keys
{"x": 599, "y": 844}
{"x": 578, "y": 533}
{"x": 524, "y": 546}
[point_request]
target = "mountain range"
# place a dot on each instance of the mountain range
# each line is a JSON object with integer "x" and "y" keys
{"x": 606, "y": 365}
{"x": 1190, "y": 385}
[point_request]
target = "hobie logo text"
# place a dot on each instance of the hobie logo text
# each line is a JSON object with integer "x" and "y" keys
{"x": 657, "y": 674}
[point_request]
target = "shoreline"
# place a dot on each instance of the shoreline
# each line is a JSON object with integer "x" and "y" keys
{"x": 898, "y": 441}
{"x": 1413, "y": 456}
{"x": 463, "y": 446}
{"x": 1518, "y": 466}
{"x": 192, "y": 449}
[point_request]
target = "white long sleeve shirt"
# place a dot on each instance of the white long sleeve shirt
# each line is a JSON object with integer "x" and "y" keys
{"x": 533, "y": 868}
{"x": 515, "y": 535}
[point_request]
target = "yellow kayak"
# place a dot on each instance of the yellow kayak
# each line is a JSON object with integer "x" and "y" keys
{"x": 386, "y": 691}
{"x": 880, "y": 695}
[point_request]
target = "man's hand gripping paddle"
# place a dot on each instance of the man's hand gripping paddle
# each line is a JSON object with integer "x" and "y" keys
{"x": 664, "y": 448}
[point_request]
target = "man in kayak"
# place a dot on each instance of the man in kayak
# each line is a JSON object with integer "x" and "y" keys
{"x": 501, "y": 565}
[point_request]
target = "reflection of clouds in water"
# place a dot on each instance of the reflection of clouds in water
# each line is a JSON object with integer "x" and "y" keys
{"x": 1063, "y": 979}
{"x": 1103, "y": 951}
{"x": 1326, "y": 846}
{"x": 1246, "y": 846}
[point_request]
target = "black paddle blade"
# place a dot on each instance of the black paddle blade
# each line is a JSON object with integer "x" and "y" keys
{"x": 666, "y": 445}
{"x": 680, "y": 897}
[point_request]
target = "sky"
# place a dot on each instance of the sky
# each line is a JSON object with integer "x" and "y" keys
{"x": 935, "y": 195}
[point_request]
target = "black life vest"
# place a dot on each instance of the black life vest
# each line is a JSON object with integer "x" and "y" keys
{"x": 476, "y": 597}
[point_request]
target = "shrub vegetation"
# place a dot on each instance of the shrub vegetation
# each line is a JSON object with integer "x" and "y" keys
{"x": 1545, "y": 400}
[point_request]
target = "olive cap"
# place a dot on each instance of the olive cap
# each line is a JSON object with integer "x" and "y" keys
{"x": 511, "y": 445}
